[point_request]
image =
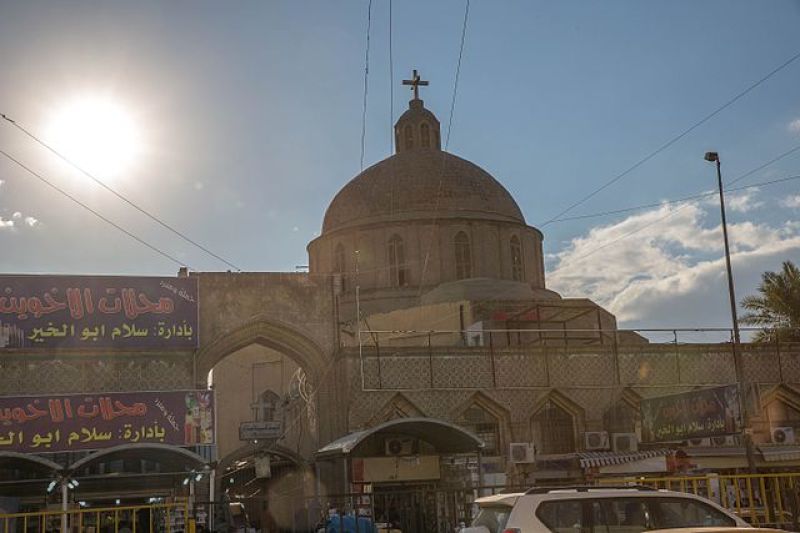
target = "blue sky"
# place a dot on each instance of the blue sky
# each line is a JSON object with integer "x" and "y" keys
{"x": 250, "y": 118}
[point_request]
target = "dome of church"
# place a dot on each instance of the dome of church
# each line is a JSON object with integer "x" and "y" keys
{"x": 418, "y": 184}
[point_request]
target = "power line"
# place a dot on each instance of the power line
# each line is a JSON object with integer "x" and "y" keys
{"x": 391, "y": 83}
{"x": 116, "y": 193}
{"x": 366, "y": 87}
{"x": 673, "y": 140}
{"x": 446, "y": 145}
{"x": 458, "y": 74}
{"x": 649, "y": 224}
{"x": 676, "y": 200}
{"x": 95, "y": 213}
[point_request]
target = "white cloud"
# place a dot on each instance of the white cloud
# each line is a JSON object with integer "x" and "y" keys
{"x": 4, "y": 224}
{"x": 792, "y": 202}
{"x": 31, "y": 221}
{"x": 794, "y": 126}
{"x": 16, "y": 215}
{"x": 744, "y": 201}
{"x": 2, "y": 182}
{"x": 665, "y": 267}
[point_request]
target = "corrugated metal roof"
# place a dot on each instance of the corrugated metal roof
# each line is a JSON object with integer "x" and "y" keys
{"x": 597, "y": 459}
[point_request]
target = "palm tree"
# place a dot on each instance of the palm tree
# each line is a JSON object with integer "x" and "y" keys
{"x": 777, "y": 308}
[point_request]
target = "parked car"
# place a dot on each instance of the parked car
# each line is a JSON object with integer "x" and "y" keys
{"x": 598, "y": 510}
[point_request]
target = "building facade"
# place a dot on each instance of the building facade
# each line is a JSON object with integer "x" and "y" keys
{"x": 422, "y": 349}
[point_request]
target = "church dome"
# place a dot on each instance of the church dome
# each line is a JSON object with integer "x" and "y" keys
{"x": 419, "y": 182}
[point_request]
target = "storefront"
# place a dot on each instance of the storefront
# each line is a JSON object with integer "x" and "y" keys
{"x": 409, "y": 472}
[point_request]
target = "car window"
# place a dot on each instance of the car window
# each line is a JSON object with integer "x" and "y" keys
{"x": 492, "y": 518}
{"x": 685, "y": 512}
{"x": 620, "y": 515}
{"x": 562, "y": 516}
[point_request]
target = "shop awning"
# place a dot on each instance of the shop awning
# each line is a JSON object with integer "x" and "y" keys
{"x": 444, "y": 436}
{"x": 598, "y": 459}
{"x": 773, "y": 454}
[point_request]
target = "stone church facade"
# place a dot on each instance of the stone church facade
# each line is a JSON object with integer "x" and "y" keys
{"x": 426, "y": 299}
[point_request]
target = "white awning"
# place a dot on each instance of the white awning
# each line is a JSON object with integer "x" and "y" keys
{"x": 598, "y": 459}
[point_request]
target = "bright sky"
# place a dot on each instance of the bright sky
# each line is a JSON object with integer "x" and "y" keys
{"x": 248, "y": 120}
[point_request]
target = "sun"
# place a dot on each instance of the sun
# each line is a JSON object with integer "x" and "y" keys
{"x": 97, "y": 134}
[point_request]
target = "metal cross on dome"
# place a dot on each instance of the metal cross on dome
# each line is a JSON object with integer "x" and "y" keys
{"x": 415, "y": 83}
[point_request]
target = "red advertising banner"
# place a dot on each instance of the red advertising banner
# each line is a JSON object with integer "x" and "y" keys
{"x": 101, "y": 312}
{"x": 91, "y": 421}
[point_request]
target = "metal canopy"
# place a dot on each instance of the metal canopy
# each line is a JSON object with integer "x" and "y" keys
{"x": 444, "y": 436}
{"x": 25, "y": 461}
{"x": 166, "y": 454}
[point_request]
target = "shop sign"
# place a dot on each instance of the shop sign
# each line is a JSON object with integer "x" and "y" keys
{"x": 98, "y": 312}
{"x": 260, "y": 430}
{"x": 695, "y": 414}
{"x": 57, "y": 423}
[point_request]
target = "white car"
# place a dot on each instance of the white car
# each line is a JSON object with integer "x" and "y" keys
{"x": 598, "y": 510}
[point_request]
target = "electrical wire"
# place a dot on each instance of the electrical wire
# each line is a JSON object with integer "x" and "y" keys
{"x": 116, "y": 193}
{"x": 677, "y": 200}
{"x": 698, "y": 195}
{"x": 366, "y": 87}
{"x": 391, "y": 82}
{"x": 95, "y": 213}
{"x": 673, "y": 140}
{"x": 444, "y": 152}
{"x": 660, "y": 219}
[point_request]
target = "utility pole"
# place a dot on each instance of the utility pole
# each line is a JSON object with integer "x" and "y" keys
{"x": 736, "y": 348}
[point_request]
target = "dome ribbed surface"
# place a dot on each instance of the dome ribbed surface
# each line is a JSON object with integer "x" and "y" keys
{"x": 406, "y": 187}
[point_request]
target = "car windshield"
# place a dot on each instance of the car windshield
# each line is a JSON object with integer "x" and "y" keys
{"x": 493, "y": 518}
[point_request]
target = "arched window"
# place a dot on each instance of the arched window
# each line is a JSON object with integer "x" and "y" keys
{"x": 483, "y": 424}
{"x": 409, "y": 134}
{"x": 463, "y": 256}
{"x": 339, "y": 264}
{"x": 267, "y": 406}
{"x": 398, "y": 275}
{"x": 425, "y": 135}
{"x": 553, "y": 429}
{"x": 517, "y": 271}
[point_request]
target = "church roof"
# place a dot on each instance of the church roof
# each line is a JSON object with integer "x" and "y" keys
{"x": 420, "y": 184}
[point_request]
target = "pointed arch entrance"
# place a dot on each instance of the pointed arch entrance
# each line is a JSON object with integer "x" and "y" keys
{"x": 267, "y": 376}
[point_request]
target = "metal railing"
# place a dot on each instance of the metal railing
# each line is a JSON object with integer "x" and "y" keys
{"x": 524, "y": 358}
{"x": 766, "y": 500}
{"x": 152, "y": 518}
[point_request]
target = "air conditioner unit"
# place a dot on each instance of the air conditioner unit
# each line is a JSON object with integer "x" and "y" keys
{"x": 522, "y": 452}
{"x": 624, "y": 442}
{"x": 399, "y": 446}
{"x": 782, "y": 435}
{"x": 724, "y": 440}
{"x": 704, "y": 442}
{"x": 595, "y": 440}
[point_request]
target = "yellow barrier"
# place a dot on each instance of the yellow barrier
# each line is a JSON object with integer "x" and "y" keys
{"x": 761, "y": 499}
{"x": 153, "y": 518}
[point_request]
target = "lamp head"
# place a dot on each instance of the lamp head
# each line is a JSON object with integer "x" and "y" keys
{"x": 712, "y": 156}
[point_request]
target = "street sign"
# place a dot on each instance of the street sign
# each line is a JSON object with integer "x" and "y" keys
{"x": 260, "y": 430}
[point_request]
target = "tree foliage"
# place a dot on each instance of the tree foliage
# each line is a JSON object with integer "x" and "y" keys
{"x": 776, "y": 308}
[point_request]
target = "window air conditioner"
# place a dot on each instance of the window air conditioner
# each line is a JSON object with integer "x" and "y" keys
{"x": 522, "y": 452}
{"x": 399, "y": 446}
{"x": 782, "y": 435}
{"x": 625, "y": 442}
{"x": 595, "y": 440}
{"x": 724, "y": 440}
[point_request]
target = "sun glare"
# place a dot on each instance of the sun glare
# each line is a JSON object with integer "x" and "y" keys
{"x": 96, "y": 134}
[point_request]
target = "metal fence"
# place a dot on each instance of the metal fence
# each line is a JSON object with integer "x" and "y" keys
{"x": 153, "y": 518}
{"x": 766, "y": 500}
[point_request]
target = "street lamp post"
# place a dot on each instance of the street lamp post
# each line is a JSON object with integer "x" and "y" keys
{"x": 737, "y": 356}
